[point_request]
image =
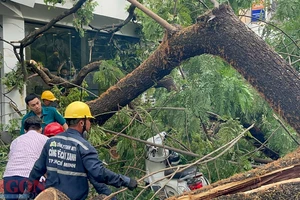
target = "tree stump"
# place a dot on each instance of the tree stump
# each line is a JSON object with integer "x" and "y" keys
{"x": 52, "y": 194}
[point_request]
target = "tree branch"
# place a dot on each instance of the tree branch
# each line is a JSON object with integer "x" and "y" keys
{"x": 285, "y": 128}
{"x": 86, "y": 70}
{"x": 216, "y": 4}
{"x": 33, "y": 35}
{"x": 37, "y": 68}
{"x": 168, "y": 83}
{"x": 203, "y": 4}
{"x": 154, "y": 16}
{"x": 150, "y": 143}
{"x": 51, "y": 79}
{"x": 116, "y": 27}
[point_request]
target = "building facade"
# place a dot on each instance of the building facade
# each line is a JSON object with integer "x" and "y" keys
{"x": 60, "y": 49}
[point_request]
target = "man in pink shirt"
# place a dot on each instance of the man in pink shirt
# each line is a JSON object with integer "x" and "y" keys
{"x": 24, "y": 151}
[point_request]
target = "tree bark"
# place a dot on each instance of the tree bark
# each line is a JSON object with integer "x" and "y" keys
{"x": 52, "y": 194}
{"x": 220, "y": 33}
{"x": 51, "y": 79}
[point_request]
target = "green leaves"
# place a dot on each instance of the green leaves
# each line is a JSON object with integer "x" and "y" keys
{"x": 14, "y": 79}
{"x": 287, "y": 10}
{"x": 74, "y": 94}
{"x": 179, "y": 12}
{"x": 109, "y": 73}
{"x": 53, "y": 2}
{"x": 84, "y": 16}
{"x": 283, "y": 34}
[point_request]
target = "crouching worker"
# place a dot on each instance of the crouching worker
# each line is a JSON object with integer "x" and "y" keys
{"x": 24, "y": 151}
{"x": 69, "y": 160}
{"x": 48, "y": 98}
{"x": 53, "y": 129}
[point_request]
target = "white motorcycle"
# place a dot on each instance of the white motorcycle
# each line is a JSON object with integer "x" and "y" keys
{"x": 169, "y": 184}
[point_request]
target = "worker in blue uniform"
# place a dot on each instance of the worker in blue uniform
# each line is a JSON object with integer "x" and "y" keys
{"x": 47, "y": 114}
{"x": 55, "y": 128}
{"x": 69, "y": 160}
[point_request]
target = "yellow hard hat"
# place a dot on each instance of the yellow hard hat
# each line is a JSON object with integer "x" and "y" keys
{"x": 48, "y": 95}
{"x": 78, "y": 110}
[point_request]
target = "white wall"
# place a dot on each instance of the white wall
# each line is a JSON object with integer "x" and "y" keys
{"x": 109, "y": 8}
{"x": 13, "y": 30}
{"x": 113, "y": 8}
{"x": 108, "y": 12}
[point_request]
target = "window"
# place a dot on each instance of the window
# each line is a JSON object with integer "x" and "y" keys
{"x": 64, "y": 53}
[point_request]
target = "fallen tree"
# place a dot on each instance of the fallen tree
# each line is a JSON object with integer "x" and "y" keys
{"x": 220, "y": 33}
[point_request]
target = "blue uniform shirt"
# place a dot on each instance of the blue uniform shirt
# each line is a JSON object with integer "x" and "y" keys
{"x": 49, "y": 114}
{"x": 70, "y": 161}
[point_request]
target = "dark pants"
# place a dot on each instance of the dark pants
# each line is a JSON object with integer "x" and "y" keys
{"x": 14, "y": 186}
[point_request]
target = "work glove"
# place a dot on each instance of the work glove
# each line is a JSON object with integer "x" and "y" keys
{"x": 132, "y": 184}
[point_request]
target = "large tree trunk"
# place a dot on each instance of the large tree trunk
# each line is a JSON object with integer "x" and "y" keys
{"x": 222, "y": 34}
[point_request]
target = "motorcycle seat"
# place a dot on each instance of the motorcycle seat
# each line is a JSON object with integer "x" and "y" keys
{"x": 178, "y": 175}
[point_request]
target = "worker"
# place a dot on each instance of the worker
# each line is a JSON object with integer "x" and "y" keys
{"x": 55, "y": 128}
{"x": 69, "y": 160}
{"x": 47, "y": 114}
{"x": 48, "y": 98}
{"x": 24, "y": 151}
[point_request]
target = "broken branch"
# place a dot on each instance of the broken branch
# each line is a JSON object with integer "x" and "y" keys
{"x": 154, "y": 16}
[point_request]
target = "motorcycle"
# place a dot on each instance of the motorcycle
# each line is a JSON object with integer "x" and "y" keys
{"x": 157, "y": 162}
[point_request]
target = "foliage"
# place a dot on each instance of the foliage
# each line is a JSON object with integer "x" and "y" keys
{"x": 283, "y": 35}
{"x": 210, "y": 86}
{"x": 12, "y": 126}
{"x": 129, "y": 54}
{"x": 282, "y": 32}
{"x": 12, "y": 129}
{"x": 109, "y": 73}
{"x": 178, "y": 12}
{"x": 84, "y": 16}
{"x": 239, "y": 4}
{"x": 73, "y": 94}
{"x": 4, "y": 149}
{"x": 53, "y": 2}
{"x": 14, "y": 79}
{"x": 237, "y": 155}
